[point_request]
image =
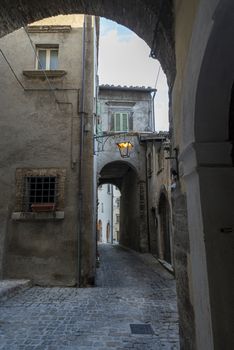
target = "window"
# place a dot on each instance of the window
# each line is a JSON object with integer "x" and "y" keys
{"x": 120, "y": 121}
{"x": 102, "y": 208}
{"x": 117, "y": 218}
{"x": 117, "y": 202}
{"x": 108, "y": 188}
{"x": 39, "y": 190}
{"x": 47, "y": 58}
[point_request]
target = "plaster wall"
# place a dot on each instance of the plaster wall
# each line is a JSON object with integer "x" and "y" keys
{"x": 139, "y": 105}
{"x": 159, "y": 181}
{"x": 37, "y": 132}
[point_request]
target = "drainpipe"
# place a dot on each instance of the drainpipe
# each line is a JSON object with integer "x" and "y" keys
{"x": 81, "y": 114}
{"x": 112, "y": 214}
{"x": 153, "y": 110}
{"x": 147, "y": 197}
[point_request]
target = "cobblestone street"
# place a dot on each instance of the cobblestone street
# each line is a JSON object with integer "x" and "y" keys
{"x": 131, "y": 289}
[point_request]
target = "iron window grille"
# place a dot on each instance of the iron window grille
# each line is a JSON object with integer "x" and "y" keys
{"x": 40, "y": 190}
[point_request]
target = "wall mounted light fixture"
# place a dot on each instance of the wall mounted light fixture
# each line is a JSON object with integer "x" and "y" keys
{"x": 125, "y": 148}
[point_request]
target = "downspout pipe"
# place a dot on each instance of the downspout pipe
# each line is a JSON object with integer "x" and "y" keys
{"x": 81, "y": 114}
{"x": 147, "y": 198}
{"x": 112, "y": 212}
{"x": 153, "y": 110}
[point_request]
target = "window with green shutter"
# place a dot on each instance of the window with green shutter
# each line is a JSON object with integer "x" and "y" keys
{"x": 120, "y": 121}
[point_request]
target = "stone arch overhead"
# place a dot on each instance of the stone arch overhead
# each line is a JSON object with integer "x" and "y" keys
{"x": 152, "y": 20}
{"x": 120, "y": 162}
{"x": 113, "y": 172}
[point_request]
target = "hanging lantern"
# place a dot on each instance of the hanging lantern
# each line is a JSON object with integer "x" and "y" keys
{"x": 125, "y": 148}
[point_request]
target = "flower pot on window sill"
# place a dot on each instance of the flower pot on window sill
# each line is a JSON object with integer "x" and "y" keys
{"x": 42, "y": 207}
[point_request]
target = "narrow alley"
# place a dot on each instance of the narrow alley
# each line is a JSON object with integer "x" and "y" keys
{"x": 132, "y": 289}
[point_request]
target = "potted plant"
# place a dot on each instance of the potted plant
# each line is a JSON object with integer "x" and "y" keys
{"x": 42, "y": 207}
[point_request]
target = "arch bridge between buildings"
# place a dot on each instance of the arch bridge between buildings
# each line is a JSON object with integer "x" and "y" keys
{"x": 133, "y": 226}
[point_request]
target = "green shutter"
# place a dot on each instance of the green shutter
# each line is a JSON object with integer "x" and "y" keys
{"x": 112, "y": 126}
{"x": 124, "y": 121}
{"x": 117, "y": 122}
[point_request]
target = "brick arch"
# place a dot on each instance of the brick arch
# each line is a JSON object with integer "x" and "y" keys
{"x": 152, "y": 20}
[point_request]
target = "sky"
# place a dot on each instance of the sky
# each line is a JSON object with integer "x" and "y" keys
{"x": 124, "y": 60}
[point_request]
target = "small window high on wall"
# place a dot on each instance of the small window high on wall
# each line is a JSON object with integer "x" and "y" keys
{"x": 47, "y": 57}
{"x": 120, "y": 121}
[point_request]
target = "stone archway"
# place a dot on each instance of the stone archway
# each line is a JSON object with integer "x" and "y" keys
{"x": 133, "y": 232}
{"x": 152, "y": 20}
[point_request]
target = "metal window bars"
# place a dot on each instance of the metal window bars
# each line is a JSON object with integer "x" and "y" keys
{"x": 40, "y": 193}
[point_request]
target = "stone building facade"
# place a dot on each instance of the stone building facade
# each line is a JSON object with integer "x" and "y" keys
{"x": 159, "y": 169}
{"x": 125, "y": 113}
{"x": 47, "y": 91}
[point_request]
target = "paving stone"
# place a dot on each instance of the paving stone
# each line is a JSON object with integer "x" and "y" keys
{"x": 131, "y": 289}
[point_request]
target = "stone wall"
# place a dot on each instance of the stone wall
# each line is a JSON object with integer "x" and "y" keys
{"x": 40, "y": 133}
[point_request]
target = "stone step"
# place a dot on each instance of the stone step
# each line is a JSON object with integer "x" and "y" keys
{"x": 9, "y": 288}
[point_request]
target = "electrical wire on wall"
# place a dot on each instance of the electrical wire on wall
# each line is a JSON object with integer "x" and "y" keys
{"x": 37, "y": 57}
{"x": 51, "y": 88}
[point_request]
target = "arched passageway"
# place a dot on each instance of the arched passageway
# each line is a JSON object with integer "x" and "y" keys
{"x": 164, "y": 216}
{"x": 133, "y": 233}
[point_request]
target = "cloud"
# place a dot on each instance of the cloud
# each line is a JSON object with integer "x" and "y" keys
{"x": 124, "y": 60}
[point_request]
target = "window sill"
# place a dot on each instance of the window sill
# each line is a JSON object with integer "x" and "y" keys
{"x": 28, "y": 216}
{"x": 39, "y": 74}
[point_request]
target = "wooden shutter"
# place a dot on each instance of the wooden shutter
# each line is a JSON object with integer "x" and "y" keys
{"x": 117, "y": 122}
{"x": 125, "y": 121}
{"x": 112, "y": 122}
{"x": 130, "y": 122}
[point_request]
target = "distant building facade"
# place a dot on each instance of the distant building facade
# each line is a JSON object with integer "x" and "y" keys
{"x": 159, "y": 186}
{"x": 125, "y": 113}
{"x": 108, "y": 214}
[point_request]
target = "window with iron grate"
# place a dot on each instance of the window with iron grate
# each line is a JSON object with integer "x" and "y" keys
{"x": 40, "y": 193}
